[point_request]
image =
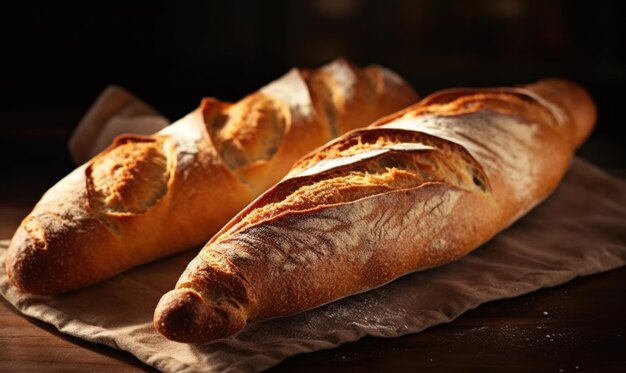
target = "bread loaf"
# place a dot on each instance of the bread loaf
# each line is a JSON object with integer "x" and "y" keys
{"x": 146, "y": 197}
{"x": 417, "y": 189}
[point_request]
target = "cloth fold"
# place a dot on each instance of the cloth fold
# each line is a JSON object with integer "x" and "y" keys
{"x": 579, "y": 230}
{"x": 116, "y": 111}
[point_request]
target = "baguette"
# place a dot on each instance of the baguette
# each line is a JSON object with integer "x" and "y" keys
{"x": 415, "y": 190}
{"x": 146, "y": 197}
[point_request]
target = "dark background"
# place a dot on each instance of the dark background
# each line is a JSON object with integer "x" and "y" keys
{"x": 58, "y": 56}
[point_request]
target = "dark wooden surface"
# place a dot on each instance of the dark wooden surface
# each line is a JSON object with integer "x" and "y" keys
{"x": 577, "y": 327}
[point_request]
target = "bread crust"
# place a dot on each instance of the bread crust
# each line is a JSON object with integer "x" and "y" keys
{"x": 417, "y": 189}
{"x": 147, "y": 197}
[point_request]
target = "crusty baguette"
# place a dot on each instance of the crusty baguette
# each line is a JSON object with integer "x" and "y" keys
{"x": 415, "y": 190}
{"x": 146, "y": 197}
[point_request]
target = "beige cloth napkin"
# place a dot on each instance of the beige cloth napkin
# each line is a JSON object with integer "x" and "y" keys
{"x": 579, "y": 230}
{"x": 115, "y": 111}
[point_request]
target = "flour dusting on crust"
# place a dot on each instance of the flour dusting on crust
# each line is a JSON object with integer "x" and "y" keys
{"x": 187, "y": 141}
{"x": 292, "y": 90}
{"x": 343, "y": 75}
{"x": 305, "y": 241}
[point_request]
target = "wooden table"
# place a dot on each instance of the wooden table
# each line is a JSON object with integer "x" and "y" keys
{"x": 576, "y": 327}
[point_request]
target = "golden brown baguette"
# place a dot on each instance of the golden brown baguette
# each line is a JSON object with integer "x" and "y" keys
{"x": 146, "y": 197}
{"x": 415, "y": 190}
